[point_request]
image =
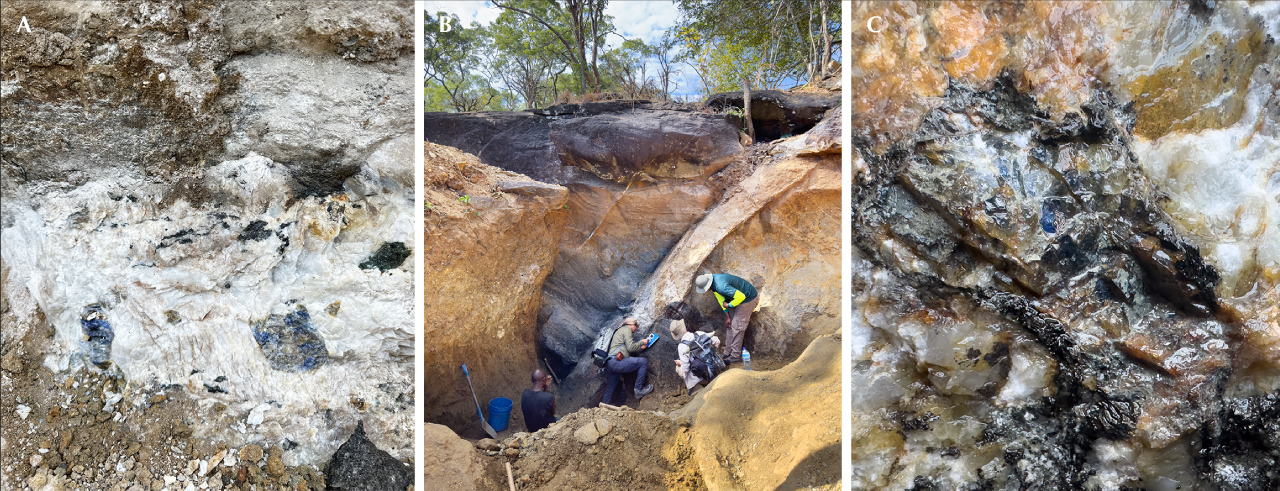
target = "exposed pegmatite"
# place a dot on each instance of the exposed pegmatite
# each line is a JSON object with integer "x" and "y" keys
{"x": 1132, "y": 286}
{"x": 218, "y": 294}
{"x": 209, "y": 178}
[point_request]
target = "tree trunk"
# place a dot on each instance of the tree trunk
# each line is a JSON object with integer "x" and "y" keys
{"x": 746, "y": 108}
{"x": 596, "y": 11}
{"x": 826, "y": 41}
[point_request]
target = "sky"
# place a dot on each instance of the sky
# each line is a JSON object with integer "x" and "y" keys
{"x": 646, "y": 20}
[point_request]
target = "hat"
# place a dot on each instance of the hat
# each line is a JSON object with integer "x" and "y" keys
{"x": 677, "y": 329}
{"x": 703, "y": 282}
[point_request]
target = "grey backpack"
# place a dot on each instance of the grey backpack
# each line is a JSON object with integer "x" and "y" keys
{"x": 600, "y": 350}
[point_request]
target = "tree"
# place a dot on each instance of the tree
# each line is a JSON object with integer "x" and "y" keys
{"x": 524, "y": 58}
{"x": 777, "y": 40}
{"x": 578, "y": 25}
{"x": 662, "y": 54}
{"x": 449, "y": 58}
{"x": 627, "y": 67}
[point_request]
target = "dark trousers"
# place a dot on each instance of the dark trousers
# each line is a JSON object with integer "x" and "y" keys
{"x": 614, "y": 369}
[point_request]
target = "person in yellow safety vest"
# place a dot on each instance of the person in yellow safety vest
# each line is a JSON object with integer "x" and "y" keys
{"x": 737, "y": 298}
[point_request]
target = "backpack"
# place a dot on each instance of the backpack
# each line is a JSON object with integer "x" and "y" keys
{"x": 600, "y": 350}
{"x": 703, "y": 360}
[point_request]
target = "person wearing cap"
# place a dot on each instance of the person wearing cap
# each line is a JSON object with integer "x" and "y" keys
{"x": 737, "y": 299}
{"x": 684, "y": 362}
{"x": 621, "y": 361}
{"x": 538, "y": 405}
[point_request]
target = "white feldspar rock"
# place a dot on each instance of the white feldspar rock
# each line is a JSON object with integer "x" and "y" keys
{"x": 603, "y": 426}
{"x": 587, "y": 434}
{"x": 257, "y": 414}
{"x": 22, "y": 411}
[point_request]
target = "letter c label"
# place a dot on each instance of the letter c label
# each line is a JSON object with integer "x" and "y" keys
{"x": 873, "y": 19}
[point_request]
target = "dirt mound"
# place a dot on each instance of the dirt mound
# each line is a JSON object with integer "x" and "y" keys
{"x": 610, "y": 449}
{"x": 452, "y": 463}
{"x": 771, "y": 430}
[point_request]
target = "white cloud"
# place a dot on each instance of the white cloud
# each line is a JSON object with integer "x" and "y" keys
{"x": 644, "y": 20}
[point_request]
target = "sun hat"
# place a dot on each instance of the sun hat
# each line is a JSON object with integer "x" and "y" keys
{"x": 704, "y": 283}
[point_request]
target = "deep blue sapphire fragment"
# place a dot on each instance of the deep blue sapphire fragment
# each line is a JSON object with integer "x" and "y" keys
{"x": 290, "y": 343}
{"x": 97, "y": 335}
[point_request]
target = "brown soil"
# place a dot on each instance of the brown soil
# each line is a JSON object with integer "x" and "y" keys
{"x": 731, "y": 430}
{"x": 642, "y": 450}
{"x": 453, "y": 178}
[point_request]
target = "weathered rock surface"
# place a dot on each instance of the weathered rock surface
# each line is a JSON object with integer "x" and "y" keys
{"x": 614, "y": 141}
{"x": 359, "y": 465}
{"x": 624, "y": 147}
{"x": 736, "y": 437}
{"x": 1062, "y": 277}
{"x": 778, "y": 114}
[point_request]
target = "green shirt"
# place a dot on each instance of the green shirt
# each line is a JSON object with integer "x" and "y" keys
{"x": 732, "y": 290}
{"x": 622, "y": 341}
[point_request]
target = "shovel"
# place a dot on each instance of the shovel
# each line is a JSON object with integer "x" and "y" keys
{"x": 488, "y": 429}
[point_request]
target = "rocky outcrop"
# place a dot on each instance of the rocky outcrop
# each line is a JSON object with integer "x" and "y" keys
{"x": 642, "y": 180}
{"x": 648, "y": 145}
{"x": 740, "y": 407}
{"x": 746, "y": 232}
{"x": 1049, "y": 284}
{"x": 618, "y": 141}
{"x": 777, "y": 114}
{"x": 490, "y": 240}
{"x": 637, "y": 177}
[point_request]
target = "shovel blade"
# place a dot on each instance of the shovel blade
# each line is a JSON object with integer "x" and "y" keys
{"x": 489, "y": 429}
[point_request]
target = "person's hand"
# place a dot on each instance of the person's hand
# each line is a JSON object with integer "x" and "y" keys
{"x": 677, "y": 362}
{"x": 646, "y": 342}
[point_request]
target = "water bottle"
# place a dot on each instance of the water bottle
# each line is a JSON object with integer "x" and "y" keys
{"x": 746, "y": 359}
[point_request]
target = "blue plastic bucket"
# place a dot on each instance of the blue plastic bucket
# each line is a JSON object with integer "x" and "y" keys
{"x": 499, "y": 413}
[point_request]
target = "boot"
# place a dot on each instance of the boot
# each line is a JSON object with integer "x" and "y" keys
{"x": 644, "y": 391}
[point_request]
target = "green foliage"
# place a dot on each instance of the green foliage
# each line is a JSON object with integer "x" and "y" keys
{"x": 466, "y": 198}
{"x": 769, "y": 42}
{"x": 538, "y": 51}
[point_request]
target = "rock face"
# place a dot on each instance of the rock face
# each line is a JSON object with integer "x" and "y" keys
{"x": 776, "y": 114}
{"x": 487, "y": 254}
{"x": 611, "y": 140}
{"x": 1050, "y": 283}
{"x": 730, "y": 420}
{"x": 651, "y": 145}
{"x": 642, "y": 179}
{"x": 638, "y": 177}
{"x": 359, "y": 465}
{"x": 202, "y": 170}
